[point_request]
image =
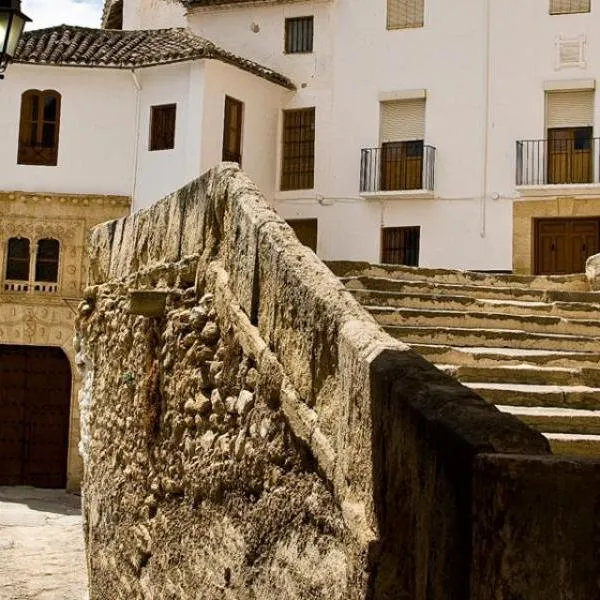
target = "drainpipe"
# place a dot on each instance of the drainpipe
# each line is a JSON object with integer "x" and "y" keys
{"x": 486, "y": 126}
{"x": 138, "y": 89}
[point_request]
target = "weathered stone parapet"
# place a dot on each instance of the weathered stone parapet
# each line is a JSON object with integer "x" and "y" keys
{"x": 323, "y": 459}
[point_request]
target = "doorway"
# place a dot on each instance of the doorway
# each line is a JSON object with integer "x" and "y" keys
{"x": 563, "y": 245}
{"x": 35, "y": 398}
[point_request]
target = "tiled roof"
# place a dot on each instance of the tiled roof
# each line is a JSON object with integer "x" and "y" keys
{"x": 67, "y": 45}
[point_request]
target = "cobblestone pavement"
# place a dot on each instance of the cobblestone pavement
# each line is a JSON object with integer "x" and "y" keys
{"x": 41, "y": 545}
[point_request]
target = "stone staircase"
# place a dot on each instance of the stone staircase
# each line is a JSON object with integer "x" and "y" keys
{"x": 528, "y": 344}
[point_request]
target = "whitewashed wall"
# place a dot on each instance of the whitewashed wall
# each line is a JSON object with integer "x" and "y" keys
{"x": 95, "y": 153}
{"x": 262, "y": 102}
{"x": 355, "y": 59}
{"x": 153, "y": 14}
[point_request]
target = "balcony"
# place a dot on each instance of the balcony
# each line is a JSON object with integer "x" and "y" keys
{"x": 30, "y": 287}
{"x": 559, "y": 161}
{"x": 397, "y": 168}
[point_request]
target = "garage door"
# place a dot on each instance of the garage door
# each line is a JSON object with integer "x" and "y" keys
{"x": 563, "y": 245}
{"x": 35, "y": 393}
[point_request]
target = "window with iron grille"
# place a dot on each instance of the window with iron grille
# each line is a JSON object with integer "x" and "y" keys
{"x": 400, "y": 246}
{"x": 39, "y": 127}
{"x": 565, "y": 7}
{"x": 162, "y": 127}
{"x": 46, "y": 261}
{"x": 17, "y": 260}
{"x": 299, "y": 35}
{"x": 298, "y": 152}
{"x": 404, "y": 14}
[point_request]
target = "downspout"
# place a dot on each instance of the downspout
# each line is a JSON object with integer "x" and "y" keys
{"x": 486, "y": 126}
{"x": 138, "y": 88}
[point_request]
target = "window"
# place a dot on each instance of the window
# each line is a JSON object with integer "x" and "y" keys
{"x": 17, "y": 261}
{"x": 306, "y": 231}
{"x": 570, "y": 152}
{"x": 299, "y": 35}
{"x": 402, "y": 145}
{"x": 400, "y": 246}
{"x": 232, "y": 130}
{"x": 39, "y": 126}
{"x": 565, "y": 7}
{"x": 298, "y": 161}
{"x": 404, "y": 14}
{"x": 162, "y": 127}
{"x": 46, "y": 262}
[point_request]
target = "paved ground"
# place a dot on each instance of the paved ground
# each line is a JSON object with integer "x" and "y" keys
{"x": 41, "y": 545}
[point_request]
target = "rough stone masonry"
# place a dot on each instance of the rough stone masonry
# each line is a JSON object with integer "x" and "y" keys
{"x": 249, "y": 432}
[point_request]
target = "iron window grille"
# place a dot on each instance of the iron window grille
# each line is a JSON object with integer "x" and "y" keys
{"x": 298, "y": 153}
{"x": 299, "y": 34}
{"x": 401, "y": 246}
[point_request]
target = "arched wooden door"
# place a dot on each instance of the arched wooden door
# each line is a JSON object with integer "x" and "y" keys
{"x": 35, "y": 397}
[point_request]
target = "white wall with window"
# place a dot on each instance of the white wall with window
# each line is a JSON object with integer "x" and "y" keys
{"x": 97, "y": 116}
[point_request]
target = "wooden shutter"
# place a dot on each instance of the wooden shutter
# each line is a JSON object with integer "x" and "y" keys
{"x": 402, "y": 120}
{"x": 569, "y": 109}
{"x": 403, "y": 14}
{"x": 39, "y": 128}
{"x": 232, "y": 130}
{"x": 561, "y": 7}
{"x": 162, "y": 127}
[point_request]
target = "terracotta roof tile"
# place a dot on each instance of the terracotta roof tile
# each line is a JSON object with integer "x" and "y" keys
{"x": 67, "y": 45}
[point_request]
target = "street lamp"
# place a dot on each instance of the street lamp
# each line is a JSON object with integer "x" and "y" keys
{"x": 12, "y": 22}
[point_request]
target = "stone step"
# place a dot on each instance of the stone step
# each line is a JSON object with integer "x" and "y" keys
{"x": 555, "y": 282}
{"x": 574, "y": 444}
{"x": 423, "y": 301}
{"x": 493, "y": 291}
{"x": 495, "y": 357}
{"x": 507, "y": 338}
{"x": 479, "y": 320}
{"x": 557, "y": 420}
{"x": 549, "y": 396}
{"x": 523, "y": 373}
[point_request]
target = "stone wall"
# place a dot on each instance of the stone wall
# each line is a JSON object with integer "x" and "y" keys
{"x": 249, "y": 432}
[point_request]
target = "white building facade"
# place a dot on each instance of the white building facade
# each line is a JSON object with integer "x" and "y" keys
{"x": 420, "y": 132}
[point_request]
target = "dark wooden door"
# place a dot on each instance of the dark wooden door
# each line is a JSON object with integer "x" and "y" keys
{"x": 570, "y": 155}
{"x": 35, "y": 393}
{"x": 232, "y": 130}
{"x": 402, "y": 166}
{"x": 307, "y": 231}
{"x": 563, "y": 245}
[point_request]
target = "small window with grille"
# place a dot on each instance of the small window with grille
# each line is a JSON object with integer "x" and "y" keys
{"x": 400, "y": 246}
{"x": 17, "y": 260}
{"x": 298, "y": 154}
{"x": 162, "y": 127}
{"x": 46, "y": 261}
{"x": 299, "y": 35}
{"x": 566, "y": 7}
{"x": 405, "y": 14}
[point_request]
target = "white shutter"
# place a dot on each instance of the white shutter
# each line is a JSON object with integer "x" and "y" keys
{"x": 402, "y": 120}
{"x": 405, "y": 13}
{"x": 569, "y": 109}
{"x": 562, "y": 7}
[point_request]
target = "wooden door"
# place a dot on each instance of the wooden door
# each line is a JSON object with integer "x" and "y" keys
{"x": 35, "y": 394}
{"x": 570, "y": 155}
{"x": 402, "y": 166}
{"x": 563, "y": 245}
{"x": 307, "y": 231}
{"x": 232, "y": 130}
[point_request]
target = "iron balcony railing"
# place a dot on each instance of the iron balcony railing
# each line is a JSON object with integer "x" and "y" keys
{"x": 560, "y": 161}
{"x": 397, "y": 166}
